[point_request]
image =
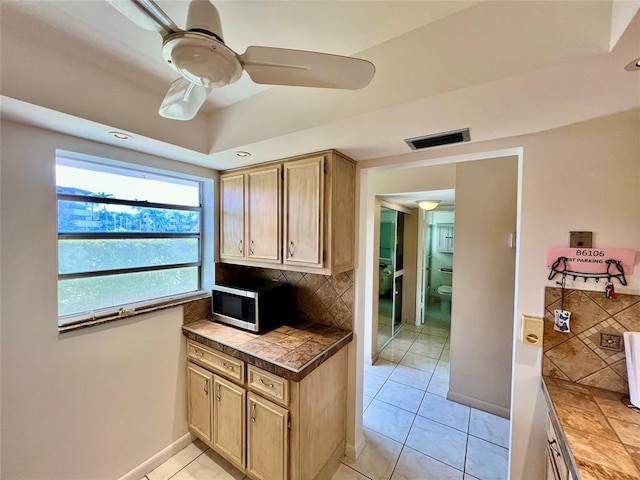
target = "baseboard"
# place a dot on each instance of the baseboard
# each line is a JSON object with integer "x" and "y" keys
{"x": 354, "y": 451}
{"x": 479, "y": 404}
{"x": 159, "y": 458}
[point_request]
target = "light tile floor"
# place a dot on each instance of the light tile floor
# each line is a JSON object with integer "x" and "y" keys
{"x": 412, "y": 431}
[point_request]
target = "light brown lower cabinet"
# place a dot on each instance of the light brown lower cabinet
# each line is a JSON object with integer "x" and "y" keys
{"x": 267, "y": 439}
{"x": 200, "y": 407}
{"x": 267, "y": 426}
{"x": 229, "y": 419}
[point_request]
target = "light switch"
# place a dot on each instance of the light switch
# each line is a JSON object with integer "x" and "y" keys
{"x": 532, "y": 330}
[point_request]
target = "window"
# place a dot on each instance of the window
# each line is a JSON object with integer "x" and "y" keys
{"x": 126, "y": 238}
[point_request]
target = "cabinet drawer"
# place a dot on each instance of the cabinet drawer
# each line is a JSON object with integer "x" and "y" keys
{"x": 268, "y": 385}
{"x": 218, "y": 362}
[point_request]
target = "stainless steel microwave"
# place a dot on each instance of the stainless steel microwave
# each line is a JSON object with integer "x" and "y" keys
{"x": 255, "y": 305}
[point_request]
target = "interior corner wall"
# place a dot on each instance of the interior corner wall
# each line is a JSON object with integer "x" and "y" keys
{"x": 94, "y": 403}
{"x": 483, "y": 284}
{"x": 584, "y": 176}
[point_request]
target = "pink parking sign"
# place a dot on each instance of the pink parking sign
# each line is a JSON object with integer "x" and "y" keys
{"x": 592, "y": 260}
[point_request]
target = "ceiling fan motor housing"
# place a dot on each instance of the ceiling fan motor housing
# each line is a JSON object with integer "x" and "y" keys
{"x": 201, "y": 59}
{"x": 203, "y": 17}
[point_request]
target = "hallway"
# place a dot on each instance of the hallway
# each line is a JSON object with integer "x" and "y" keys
{"x": 412, "y": 431}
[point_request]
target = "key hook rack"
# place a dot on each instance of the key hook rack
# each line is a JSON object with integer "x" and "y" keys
{"x": 560, "y": 267}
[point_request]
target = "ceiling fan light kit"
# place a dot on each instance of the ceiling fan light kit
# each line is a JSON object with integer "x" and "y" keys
{"x": 204, "y": 62}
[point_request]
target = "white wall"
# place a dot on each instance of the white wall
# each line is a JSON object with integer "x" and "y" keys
{"x": 581, "y": 177}
{"x": 483, "y": 284}
{"x": 97, "y": 402}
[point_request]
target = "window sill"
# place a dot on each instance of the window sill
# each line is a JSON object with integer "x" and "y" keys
{"x": 146, "y": 309}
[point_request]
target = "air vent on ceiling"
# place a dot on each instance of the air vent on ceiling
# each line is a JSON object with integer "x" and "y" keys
{"x": 437, "y": 139}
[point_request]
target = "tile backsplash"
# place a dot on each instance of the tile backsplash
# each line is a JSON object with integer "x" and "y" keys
{"x": 325, "y": 299}
{"x": 578, "y": 356}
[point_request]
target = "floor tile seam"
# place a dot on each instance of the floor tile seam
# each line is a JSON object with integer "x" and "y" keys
{"x": 466, "y": 452}
{"x": 434, "y": 458}
{"x": 356, "y": 470}
{"x": 197, "y": 456}
{"x": 407, "y": 385}
{"x": 388, "y": 437}
{"x": 395, "y": 465}
{"x": 444, "y": 424}
{"x": 392, "y": 405}
{"x": 488, "y": 441}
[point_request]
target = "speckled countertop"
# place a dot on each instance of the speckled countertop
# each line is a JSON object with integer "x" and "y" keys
{"x": 291, "y": 352}
{"x": 602, "y": 434}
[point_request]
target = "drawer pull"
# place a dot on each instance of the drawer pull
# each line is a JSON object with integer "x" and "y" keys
{"x": 253, "y": 412}
{"x": 198, "y": 353}
{"x": 206, "y": 387}
{"x": 218, "y": 395}
{"x": 270, "y": 385}
{"x": 227, "y": 366}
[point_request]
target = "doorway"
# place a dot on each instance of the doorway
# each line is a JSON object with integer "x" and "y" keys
{"x": 391, "y": 273}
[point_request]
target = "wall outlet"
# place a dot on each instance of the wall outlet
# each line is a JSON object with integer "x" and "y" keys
{"x": 611, "y": 341}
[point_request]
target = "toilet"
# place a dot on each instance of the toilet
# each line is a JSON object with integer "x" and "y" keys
{"x": 445, "y": 292}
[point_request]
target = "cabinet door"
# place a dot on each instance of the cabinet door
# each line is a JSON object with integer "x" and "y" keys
{"x": 229, "y": 420}
{"x": 263, "y": 210}
{"x": 232, "y": 216}
{"x": 200, "y": 408}
{"x": 304, "y": 212}
{"x": 267, "y": 439}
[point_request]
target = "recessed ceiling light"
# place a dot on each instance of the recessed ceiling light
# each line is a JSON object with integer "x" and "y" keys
{"x": 633, "y": 65}
{"x": 243, "y": 154}
{"x": 120, "y": 135}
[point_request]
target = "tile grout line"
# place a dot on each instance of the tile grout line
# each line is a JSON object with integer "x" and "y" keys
{"x": 189, "y": 463}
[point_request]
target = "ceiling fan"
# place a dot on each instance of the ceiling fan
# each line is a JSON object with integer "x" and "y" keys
{"x": 204, "y": 62}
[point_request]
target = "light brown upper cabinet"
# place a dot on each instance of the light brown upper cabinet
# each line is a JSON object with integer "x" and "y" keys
{"x": 250, "y": 225}
{"x": 314, "y": 226}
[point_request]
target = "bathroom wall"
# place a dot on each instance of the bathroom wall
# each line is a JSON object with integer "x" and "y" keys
{"x": 325, "y": 299}
{"x": 439, "y": 259}
{"x": 578, "y": 356}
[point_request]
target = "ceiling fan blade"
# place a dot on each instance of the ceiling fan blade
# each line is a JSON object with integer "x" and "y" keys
{"x": 281, "y": 66}
{"x": 146, "y": 14}
{"x": 183, "y": 100}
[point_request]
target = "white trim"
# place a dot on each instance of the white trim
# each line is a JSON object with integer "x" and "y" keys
{"x": 159, "y": 458}
{"x": 478, "y": 404}
{"x": 354, "y": 451}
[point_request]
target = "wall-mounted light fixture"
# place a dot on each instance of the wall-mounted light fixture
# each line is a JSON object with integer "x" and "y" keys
{"x": 633, "y": 65}
{"x": 428, "y": 204}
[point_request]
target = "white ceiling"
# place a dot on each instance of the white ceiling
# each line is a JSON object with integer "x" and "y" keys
{"x": 501, "y": 68}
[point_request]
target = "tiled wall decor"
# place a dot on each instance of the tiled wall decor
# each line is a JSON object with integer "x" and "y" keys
{"x": 196, "y": 310}
{"x": 583, "y": 356}
{"x": 322, "y": 298}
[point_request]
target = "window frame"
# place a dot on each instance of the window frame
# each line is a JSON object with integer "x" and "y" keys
{"x": 205, "y": 240}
